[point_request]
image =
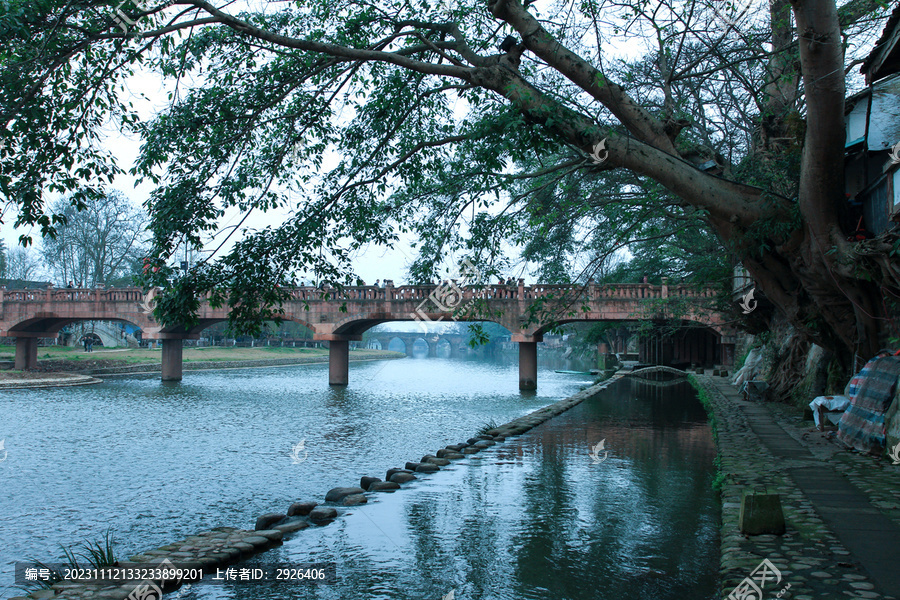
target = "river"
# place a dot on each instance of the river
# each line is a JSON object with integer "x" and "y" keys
{"x": 531, "y": 518}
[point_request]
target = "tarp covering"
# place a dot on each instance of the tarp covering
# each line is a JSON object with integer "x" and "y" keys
{"x": 863, "y": 424}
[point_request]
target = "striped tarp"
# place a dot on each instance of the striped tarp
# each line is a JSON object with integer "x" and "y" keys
{"x": 863, "y": 424}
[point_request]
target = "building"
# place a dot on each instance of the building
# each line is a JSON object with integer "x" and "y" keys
{"x": 872, "y": 175}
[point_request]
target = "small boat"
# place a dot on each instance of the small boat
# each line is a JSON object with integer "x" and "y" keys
{"x": 574, "y": 372}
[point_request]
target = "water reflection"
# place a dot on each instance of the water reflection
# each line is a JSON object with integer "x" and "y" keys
{"x": 535, "y": 517}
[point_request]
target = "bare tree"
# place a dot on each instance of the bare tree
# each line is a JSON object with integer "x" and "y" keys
{"x": 98, "y": 244}
{"x": 23, "y": 264}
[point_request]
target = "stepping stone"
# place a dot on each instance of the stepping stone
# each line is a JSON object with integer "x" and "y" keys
{"x": 301, "y": 509}
{"x": 427, "y": 468}
{"x": 267, "y": 520}
{"x": 384, "y": 486}
{"x": 411, "y": 466}
{"x": 322, "y": 513}
{"x": 402, "y": 477}
{"x": 471, "y": 450}
{"x": 441, "y": 462}
{"x": 292, "y": 525}
{"x": 391, "y": 472}
{"x": 339, "y": 493}
{"x": 485, "y": 444}
{"x": 355, "y": 500}
{"x": 365, "y": 482}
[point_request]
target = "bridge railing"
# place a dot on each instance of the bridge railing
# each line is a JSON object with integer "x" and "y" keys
{"x": 621, "y": 291}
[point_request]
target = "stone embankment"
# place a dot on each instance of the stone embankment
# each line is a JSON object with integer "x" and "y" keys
{"x": 224, "y": 546}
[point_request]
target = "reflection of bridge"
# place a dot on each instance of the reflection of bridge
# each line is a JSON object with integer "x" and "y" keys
{"x": 28, "y": 315}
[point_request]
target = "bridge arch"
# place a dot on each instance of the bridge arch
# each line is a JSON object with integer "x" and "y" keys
{"x": 397, "y": 344}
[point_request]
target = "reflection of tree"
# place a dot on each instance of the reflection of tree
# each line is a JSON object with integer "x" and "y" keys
{"x": 628, "y": 525}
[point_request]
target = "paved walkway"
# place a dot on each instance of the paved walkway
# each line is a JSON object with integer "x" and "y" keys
{"x": 842, "y": 509}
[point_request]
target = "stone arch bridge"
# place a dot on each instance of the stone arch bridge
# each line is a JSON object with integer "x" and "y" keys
{"x": 339, "y": 318}
{"x": 457, "y": 342}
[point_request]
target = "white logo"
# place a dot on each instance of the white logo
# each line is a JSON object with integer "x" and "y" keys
{"x": 450, "y": 595}
{"x": 595, "y": 453}
{"x": 895, "y": 154}
{"x": 894, "y": 454}
{"x": 149, "y": 302}
{"x": 732, "y": 11}
{"x": 5, "y": 452}
{"x": 751, "y": 587}
{"x": 296, "y": 450}
{"x": 746, "y": 300}
{"x": 595, "y": 156}
{"x": 147, "y": 589}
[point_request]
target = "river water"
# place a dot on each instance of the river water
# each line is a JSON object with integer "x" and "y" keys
{"x": 531, "y": 518}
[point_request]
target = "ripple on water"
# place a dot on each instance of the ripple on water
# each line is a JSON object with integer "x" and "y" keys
{"x": 132, "y": 453}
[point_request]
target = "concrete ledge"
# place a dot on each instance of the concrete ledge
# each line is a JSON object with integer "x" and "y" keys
{"x": 52, "y": 380}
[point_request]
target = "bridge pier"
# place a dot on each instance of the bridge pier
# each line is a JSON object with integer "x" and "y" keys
{"x": 26, "y": 352}
{"x": 338, "y": 355}
{"x": 527, "y": 360}
{"x": 338, "y": 362}
{"x": 172, "y": 352}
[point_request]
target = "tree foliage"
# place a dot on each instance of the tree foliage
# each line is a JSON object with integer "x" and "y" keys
{"x": 363, "y": 119}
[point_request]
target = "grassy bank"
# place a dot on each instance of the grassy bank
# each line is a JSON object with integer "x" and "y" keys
{"x": 60, "y": 357}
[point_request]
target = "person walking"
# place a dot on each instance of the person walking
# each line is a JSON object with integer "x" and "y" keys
{"x": 84, "y": 340}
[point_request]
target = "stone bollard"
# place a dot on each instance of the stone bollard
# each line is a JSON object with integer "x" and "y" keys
{"x": 699, "y": 371}
{"x": 761, "y": 514}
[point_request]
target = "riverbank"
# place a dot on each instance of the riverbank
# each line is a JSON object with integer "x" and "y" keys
{"x": 841, "y": 531}
{"x": 69, "y": 366}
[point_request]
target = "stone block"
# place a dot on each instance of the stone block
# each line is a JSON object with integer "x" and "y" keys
{"x": 761, "y": 514}
{"x": 267, "y": 520}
